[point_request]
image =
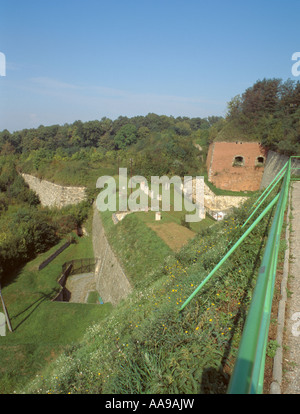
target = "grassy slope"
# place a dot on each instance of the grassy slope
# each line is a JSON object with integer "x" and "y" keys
{"x": 139, "y": 249}
{"x": 42, "y": 328}
{"x": 148, "y": 347}
{"x": 70, "y": 172}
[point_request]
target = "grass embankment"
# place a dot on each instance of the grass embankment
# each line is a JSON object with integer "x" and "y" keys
{"x": 41, "y": 328}
{"x": 69, "y": 172}
{"x": 143, "y": 244}
{"x": 148, "y": 346}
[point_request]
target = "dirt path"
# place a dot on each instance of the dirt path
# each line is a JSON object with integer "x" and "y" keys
{"x": 292, "y": 341}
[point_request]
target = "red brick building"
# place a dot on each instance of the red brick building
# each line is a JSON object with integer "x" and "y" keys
{"x": 236, "y": 166}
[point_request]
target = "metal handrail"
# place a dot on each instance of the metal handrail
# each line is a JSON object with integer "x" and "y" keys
{"x": 233, "y": 248}
{"x": 248, "y": 373}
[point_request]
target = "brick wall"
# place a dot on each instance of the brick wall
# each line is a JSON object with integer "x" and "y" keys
{"x": 225, "y": 175}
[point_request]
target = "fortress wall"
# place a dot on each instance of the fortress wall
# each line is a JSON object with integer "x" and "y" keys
{"x": 224, "y": 175}
{"x": 221, "y": 203}
{"x": 111, "y": 281}
{"x": 274, "y": 163}
{"x": 54, "y": 195}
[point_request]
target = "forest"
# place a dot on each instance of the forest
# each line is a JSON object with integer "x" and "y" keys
{"x": 27, "y": 229}
{"x": 157, "y": 143}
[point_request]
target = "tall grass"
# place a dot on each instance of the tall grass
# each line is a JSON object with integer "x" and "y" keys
{"x": 147, "y": 346}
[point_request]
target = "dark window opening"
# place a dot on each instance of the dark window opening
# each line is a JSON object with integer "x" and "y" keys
{"x": 238, "y": 161}
{"x": 260, "y": 161}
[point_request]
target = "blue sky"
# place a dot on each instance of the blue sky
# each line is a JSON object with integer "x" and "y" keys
{"x": 86, "y": 59}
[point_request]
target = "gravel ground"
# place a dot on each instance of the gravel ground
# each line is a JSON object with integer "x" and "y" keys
{"x": 292, "y": 334}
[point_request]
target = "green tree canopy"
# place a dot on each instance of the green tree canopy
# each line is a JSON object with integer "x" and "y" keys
{"x": 127, "y": 135}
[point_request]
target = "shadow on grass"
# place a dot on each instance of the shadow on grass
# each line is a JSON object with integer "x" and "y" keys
{"x": 32, "y": 307}
{"x": 10, "y": 274}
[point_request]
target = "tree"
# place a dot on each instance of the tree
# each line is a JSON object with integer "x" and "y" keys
{"x": 126, "y": 135}
{"x": 234, "y": 107}
{"x": 7, "y": 149}
{"x": 143, "y": 132}
{"x": 261, "y": 98}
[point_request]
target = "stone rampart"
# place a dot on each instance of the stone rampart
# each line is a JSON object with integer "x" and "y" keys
{"x": 221, "y": 203}
{"x": 54, "y": 195}
{"x": 111, "y": 281}
{"x": 274, "y": 163}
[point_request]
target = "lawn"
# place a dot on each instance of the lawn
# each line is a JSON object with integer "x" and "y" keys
{"x": 42, "y": 329}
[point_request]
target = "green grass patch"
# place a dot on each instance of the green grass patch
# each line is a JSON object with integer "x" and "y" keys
{"x": 94, "y": 297}
{"x": 138, "y": 248}
{"x": 42, "y": 328}
{"x": 175, "y": 217}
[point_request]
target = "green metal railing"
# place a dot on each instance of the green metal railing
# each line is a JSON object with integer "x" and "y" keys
{"x": 248, "y": 373}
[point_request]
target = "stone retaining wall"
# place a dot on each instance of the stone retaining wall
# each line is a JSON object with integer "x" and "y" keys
{"x": 111, "y": 281}
{"x": 274, "y": 163}
{"x": 214, "y": 202}
{"x": 54, "y": 195}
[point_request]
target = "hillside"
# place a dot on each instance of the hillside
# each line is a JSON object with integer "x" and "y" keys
{"x": 148, "y": 347}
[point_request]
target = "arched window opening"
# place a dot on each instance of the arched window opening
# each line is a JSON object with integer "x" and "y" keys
{"x": 260, "y": 161}
{"x": 238, "y": 161}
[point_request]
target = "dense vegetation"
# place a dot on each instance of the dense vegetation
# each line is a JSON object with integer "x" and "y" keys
{"x": 267, "y": 112}
{"x": 156, "y": 144}
{"x": 27, "y": 229}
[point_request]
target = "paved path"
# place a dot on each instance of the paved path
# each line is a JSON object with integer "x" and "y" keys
{"x": 79, "y": 285}
{"x": 292, "y": 334}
